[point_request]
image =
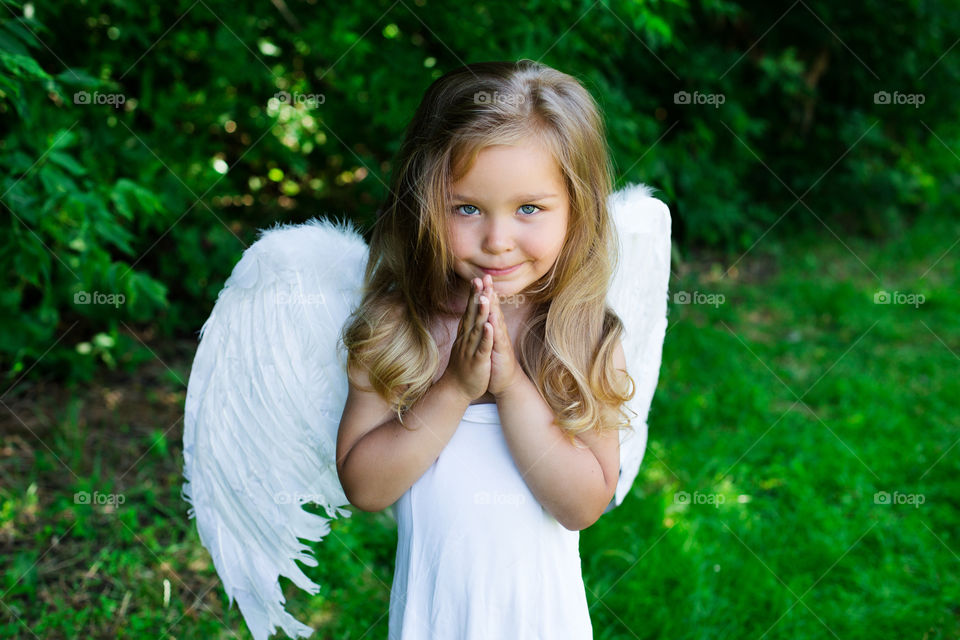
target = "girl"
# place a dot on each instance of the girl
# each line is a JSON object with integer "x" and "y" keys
{"x": 486, "y": 373}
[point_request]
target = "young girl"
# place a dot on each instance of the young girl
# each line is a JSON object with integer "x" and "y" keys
{"x": 486, "y": 372}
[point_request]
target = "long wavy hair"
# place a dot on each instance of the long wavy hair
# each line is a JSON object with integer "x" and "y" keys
{"x": 568, "y": 342}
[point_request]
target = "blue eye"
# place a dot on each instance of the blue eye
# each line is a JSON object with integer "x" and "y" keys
{"x": 457, "y": 208}
{"x": 528, "y": 213}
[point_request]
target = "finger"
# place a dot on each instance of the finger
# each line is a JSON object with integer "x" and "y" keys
{"x": 476, "y": 335}
{"x": 503, "y": 335}
{"x": 496, "y": 313}
{"x": 487, "y": 343}
{"x": 499, "y": 334}
{"x": 488, "y": 291}
{"x": 470, "y": 313}
{"x": 501, "y": 321}
{"x": 490, "y": 303}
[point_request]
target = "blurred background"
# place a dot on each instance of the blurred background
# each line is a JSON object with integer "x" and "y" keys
{"x": 801, "y": 474}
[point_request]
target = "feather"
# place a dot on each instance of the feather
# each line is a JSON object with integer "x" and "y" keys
{"x": 264, "y": 400}
{"x": 638, "y": 295}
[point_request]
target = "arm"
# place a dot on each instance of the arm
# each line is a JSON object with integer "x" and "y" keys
{"x": 387, "y": 460}
{"x": 574, "y": 484}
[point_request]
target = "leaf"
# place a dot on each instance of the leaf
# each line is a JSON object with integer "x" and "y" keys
{"x": 23, "y": 66}
{"x": 128, "y": 197}
{"x": 32, "y": 261}
{"x": 117, "y": 236}
{"x": 17, "y": 29}
{"x": 68, "y": 163}
{"x": 9, "y": 87}
{"x": 63, "y": 139}
{"x": 77, "y": 78}
{"x": 55, "y": 181}
{"x": 659, "y": 26}
{"x": 17, "y": 161}
{"x": 12, "y": 45}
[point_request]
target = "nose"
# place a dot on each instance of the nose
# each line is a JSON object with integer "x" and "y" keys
{"x": 498, "y": 235}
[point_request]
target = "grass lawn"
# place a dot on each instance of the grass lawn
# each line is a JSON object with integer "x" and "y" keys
{"x": 800, "y": 480}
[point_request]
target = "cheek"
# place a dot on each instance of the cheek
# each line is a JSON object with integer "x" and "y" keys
{"x": 547, "y": 245}
{"x": 460, "y": 246}
{"x": 457, "y": 241}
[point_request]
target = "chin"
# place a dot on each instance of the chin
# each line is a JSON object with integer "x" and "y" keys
{"x": 506, "y": 289}
{"x": 510, "y": 284}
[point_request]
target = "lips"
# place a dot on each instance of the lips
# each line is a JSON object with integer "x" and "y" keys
{"x": 500, "y": 272}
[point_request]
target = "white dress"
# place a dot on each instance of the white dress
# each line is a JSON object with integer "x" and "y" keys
{"x": 478, "y": 558}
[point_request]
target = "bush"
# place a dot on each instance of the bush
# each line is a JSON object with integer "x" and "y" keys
{"x": 142, "y": 151}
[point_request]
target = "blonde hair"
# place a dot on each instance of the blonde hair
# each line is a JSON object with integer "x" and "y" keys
{"x": 567, "y": 348}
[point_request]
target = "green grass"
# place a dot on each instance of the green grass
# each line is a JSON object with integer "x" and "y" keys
{"x": 781, "y": 412}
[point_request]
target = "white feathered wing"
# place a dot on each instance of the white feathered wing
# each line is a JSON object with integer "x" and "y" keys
{"x": 268, "y": 386}
{"x": 264, "y": 401}
{"x": 638, "y": 294}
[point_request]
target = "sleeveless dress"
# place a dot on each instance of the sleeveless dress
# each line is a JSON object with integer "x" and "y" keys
{"x": 478, "y": 558}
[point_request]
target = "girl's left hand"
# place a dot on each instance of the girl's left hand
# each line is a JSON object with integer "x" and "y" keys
{"x": 504, "y": 367}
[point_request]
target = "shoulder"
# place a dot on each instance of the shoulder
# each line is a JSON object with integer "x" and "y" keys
{"x": 605, "y": 447}
{"x": 619, "y": 374}
{"x": 619, "y": 359}
{"x": 605, "y": 444}
{"x": 611, "y": 321}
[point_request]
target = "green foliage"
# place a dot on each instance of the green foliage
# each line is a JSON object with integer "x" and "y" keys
{"x": 145, "y": 144}
{"x": 69, "y": 226}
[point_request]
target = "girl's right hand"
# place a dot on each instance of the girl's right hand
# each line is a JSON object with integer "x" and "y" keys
{"x": 469, "y": 366}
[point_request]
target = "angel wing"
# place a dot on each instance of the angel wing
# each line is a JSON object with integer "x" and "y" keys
{"x": 638, "y": 294}
{"x": 268, "y": 386}
{"x": 264, "y": 400}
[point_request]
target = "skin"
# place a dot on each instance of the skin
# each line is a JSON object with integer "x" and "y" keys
{"x": 492, "y": 225}
{"x": 573, "y": 483}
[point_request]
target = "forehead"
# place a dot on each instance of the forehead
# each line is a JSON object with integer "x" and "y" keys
{"x": 519, "y": 168}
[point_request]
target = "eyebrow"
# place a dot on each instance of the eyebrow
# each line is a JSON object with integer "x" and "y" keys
{"x": 528, "y": 196}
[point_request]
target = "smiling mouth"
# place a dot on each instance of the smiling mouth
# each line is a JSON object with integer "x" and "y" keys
{"x": 500, "y": 271}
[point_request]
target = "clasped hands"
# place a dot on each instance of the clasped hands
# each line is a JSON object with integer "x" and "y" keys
{"x": 481, "y": 357}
